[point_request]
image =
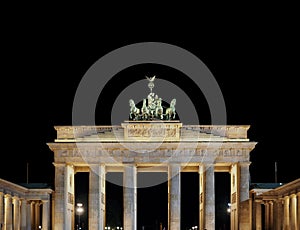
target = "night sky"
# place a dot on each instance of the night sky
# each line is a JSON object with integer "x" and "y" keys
{"x": 254, "y": 63}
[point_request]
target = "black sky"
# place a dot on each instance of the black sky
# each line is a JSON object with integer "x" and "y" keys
{"x": 254, "y": 58}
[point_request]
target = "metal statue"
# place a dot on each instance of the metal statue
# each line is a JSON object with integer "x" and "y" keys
{"x": 152, "y": 108}
{"x": 134, "y": 111}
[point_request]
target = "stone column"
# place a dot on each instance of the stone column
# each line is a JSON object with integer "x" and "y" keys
{"x": 37, "y": 214}
{"x": 28, "y": 215}
{"x": 298, "y": 210}
{"x": 130, "y": 197}
{"x": 258, "y": 222}
{"x": 23, "y": 214}
{"x": 32, "y": 215}
{"x": 8, "y": 225}
{"x": 286, "y": 213}
{"x": 293, "y": 211}
{"x": 209, "y": 198}
{"x": 244, "y": 181}
{"x": 234, "y": 193}
{"x": 1, "y": 210}
{"x": 278, "y": 215}
{"x": 267, "y": 215}
{"x": 16, "y": 203}
{"x": 46, "y": 215}
{"x": 271, "y": 213}
{"x": 174, "y": 196}
{"x": 201, "y": 194}
{"x": 59, "y": 196}
{"x": 97, "y": 197}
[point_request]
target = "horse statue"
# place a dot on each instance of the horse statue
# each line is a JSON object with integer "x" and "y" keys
{"x": 159, "y": 109}
{"x": 134, "y": 111}
{"x": 145, "y": 111}
{"x": 170, "y": 112}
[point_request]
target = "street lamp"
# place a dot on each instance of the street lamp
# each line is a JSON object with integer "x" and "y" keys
{"x": 79, "y": 210}
{"x": 229, "y": 208}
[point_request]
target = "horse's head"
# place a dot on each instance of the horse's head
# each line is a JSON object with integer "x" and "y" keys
{"x": 173, "y": 102}
{"x": 131, "y": 103}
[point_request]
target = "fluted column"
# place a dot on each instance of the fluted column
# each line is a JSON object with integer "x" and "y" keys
{"x": 267, "y": 216}
{"x": 1, "y": 209}
{"x": 201, "y": 196}
{"x": 28, "y": 215}
{"x": 97, "y": 197}
{"x": 278, "y": 215}
{"x": 209, "y": 199}
{"x": 23, "y": 214}
{"x": 46, "y": 215}
{"x": 64, "y": 197}
{"x": 271, "y": 214}
{"x": 59, "y": 204}
{"x": 293, "y": 210}
{"x": 286, "y": 213}
{"x": 298, "y": 210}
{"x": 174, "y": 196}
{"x": 258, "y": 222}
{"x": 8, "y": 212}
{"x": 37, "y": 214}
{"x": 244, "y": 181}
{"x": 16, "y": 203}
{"x": 234, "y": 196}
{"x": 32, "y": 215}
{"x": 130, "y": 197}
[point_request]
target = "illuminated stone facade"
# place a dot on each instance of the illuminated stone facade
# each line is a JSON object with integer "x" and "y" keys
{"x": 24, "y": 208}
{"x": 277, "y": 208}
{"x": 136, "y": 146}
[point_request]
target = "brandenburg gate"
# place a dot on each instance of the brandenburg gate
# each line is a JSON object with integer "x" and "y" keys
{"x": 151, "y": 140}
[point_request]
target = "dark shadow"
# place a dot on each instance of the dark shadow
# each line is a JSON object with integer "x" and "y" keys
{"x": 222, "y": 198}
{"x": 152, "y": 202}
{"x": 189, "y": 200}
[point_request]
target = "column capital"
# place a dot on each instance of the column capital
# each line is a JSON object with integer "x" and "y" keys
{"x": 7, "y": 195}
{"x": 44, "y": 201}
{"x": 258, "y": 201}
{"x": 266, "y": 203}
{"x": 32, "y": 202}
{"x": 293, "y": 195}
{"x": 298, "y": 194}
{"x": 286, "y": 198}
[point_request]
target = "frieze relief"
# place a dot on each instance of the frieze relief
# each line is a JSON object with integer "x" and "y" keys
{"x": 150, "y": 131}
{"x": 160, "y": 152}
